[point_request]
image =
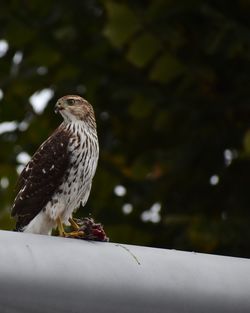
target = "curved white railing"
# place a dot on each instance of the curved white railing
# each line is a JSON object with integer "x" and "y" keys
{"x": 50, "y": 274}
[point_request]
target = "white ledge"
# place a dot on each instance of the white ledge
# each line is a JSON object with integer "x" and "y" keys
{"x": 40, "y": 274}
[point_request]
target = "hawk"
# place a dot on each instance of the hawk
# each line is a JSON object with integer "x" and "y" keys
{"x": 58, "y": 177}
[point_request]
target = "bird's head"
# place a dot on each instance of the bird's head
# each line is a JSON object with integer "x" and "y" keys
{"x": 74, "y": 108}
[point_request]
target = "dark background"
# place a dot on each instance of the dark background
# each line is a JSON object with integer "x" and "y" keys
{"x": 170, "y": 85}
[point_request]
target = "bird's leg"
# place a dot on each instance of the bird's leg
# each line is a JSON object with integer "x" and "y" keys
{"x": 60, "y": 227}
{"x": 63, "y": 233}
{"x": 74, "y": 224}
{"x": 77, "y": 232}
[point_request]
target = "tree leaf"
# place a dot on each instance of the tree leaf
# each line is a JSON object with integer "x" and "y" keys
{"x": 141, "y": 107}
{"x": 122, "y": 23}
{"x": 166, "y": 68}
{"x": 143, "y": 49}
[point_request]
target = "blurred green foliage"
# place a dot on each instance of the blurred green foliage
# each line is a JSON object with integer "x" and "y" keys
{"x": 169, "y": 81}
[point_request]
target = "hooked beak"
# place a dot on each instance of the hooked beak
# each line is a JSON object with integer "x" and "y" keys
{"x": 59, "y": 107}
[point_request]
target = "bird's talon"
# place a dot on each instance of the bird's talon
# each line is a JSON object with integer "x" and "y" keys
{"x": 74, "y": 224}
{"x": 74, "y": 234}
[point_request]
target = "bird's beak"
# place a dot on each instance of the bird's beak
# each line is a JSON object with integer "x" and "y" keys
{"x": 59, "y": 106}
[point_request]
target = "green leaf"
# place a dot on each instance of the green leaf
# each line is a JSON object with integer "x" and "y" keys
{"x": 166, "y": 68}
{"x": 143, "y": 49}
{"x": 141, "y": 107}
{"x": 122, "y": 23}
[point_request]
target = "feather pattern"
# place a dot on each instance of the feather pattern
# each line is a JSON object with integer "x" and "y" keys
{"x": 59, "y": 176}
{"x": 41, "y": 177}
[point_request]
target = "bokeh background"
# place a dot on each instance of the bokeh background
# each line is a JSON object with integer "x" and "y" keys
{"x": 170, "y": 84}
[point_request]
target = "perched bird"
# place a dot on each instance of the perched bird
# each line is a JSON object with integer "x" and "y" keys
{"x": 58, "y": 178}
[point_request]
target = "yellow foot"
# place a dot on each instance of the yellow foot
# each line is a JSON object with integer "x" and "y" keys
{"x": 75, "y": 226}
{"x": 60, "y": 227}
{"x": 74, "y": 234}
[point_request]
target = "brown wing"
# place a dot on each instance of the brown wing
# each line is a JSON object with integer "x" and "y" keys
{"x": 41, "y": 177}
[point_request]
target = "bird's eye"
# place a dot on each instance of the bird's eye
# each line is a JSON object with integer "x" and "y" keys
{"x": 70, "y": 101}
